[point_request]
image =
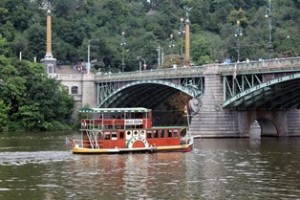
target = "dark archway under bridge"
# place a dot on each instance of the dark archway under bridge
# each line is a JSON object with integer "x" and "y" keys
{"x": 149, "y": 94}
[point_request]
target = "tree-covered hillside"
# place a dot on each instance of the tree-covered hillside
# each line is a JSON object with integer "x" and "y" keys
{"x": 266, "y": 30}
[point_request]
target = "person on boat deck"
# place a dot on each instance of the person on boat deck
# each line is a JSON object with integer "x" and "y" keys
{"x": 100, "y": 118}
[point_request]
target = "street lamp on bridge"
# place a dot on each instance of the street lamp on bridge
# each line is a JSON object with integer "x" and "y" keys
{"x": 140, "y": 63}
{"x": 269, "y": 16}
{"x": 171, "y": 46}
{"x": 89, "y": 60}
{"x": 123, "y": 43}
{"x": 238, "y": 34}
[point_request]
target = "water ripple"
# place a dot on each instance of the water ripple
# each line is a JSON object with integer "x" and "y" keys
{"x": 37, "y": 157}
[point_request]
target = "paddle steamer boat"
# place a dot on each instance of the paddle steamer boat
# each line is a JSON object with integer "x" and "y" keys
{"x": 127, "y": 130}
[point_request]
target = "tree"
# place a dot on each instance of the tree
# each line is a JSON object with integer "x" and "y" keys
{"x": 3, "y": 46}
{"x": 19, "y": 44}
{"x": 203, "y": 48}
{"x": 29, "y": 99}
{"x": 36, "y": 37}
{"x": 3, "y": 115}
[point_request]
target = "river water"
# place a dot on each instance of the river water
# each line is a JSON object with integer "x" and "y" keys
{"x": 38, "y": 166}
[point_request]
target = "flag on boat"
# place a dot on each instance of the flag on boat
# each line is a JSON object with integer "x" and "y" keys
{"x": 67, "y": 143}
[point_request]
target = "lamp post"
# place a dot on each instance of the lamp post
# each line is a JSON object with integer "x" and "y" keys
{"x": 123, "y": 43}
{"x": 159, "y": 53}
{"x": 89, "y": 59}
{"x": 159, "y": 50}
{"x": 140, "y": 63}
{"x": 171, "y": 45}
{"x": 269, "y": 16}
{"x": 238, "y": 34}
{"x": 181, "y": 33}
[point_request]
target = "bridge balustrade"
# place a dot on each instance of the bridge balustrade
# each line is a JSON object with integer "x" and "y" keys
{"x": 261, "y": 65}
{"x": 152, "y": 74}
{"x": 182, "y": 72}
{"x": 69, "y": 77}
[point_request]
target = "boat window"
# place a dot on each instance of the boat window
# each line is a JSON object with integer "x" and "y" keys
{"x": 149, "y": 134}
{"x": 170, "y": 133}
{"x": 128, "y": 134}
{"x": 142, "y": 133}
{"x": 175, "y": 133}
{"x": 114, "y": 136}
{"x": 162, "y": 134}
{"x": 107, "y": 136}
{"x": 135, "y": 133}
{"x": 155, "y": 134}
{"x": 122, "y": 135}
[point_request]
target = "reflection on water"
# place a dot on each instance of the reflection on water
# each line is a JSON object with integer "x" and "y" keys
{"x": 216, "y": 169}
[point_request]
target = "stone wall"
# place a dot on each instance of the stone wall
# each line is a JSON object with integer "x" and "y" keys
{"x": 293, "y": 122}
{"x": 89, "y": 90}
{"x": 211, "y": 120}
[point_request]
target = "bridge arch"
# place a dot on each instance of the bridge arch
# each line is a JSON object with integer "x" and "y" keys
{"x": 276, "y": 94}
{"x": 145, "y": 93}
{"x": 267, "y": 127}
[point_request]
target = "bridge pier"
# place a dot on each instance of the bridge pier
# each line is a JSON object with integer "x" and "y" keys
{"x": 88, "y": 90}
{"x": 293, "y": 122}
{"x": 272, "y": 123}
{"x": 210, "y": 120}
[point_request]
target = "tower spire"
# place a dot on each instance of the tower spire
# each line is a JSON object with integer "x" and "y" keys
{"x": 49, "y": 61}
{"x": 49, "y": 36}
{"x": 187, "y": 61}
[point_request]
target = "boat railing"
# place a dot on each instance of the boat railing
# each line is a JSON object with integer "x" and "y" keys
{"x": 110, "y": 123}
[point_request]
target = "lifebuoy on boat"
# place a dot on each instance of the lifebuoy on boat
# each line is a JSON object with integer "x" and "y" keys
{"x": 137, "y": 142}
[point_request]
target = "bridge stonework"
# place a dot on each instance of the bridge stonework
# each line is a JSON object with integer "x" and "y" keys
{"x": 88, "y": 90}
{"x": 213, "y": 121}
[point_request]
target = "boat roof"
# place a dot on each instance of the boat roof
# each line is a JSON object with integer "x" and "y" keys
{"x": 114, "y": 110}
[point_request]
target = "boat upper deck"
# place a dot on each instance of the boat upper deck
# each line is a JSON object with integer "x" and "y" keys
{"x": 116, "y": 118}
{"x": 115, "y": 110}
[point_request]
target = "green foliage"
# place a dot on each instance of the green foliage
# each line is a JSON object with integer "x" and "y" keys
{"x": 74, "y": 22}
{"x": 3, "y": 46}
{"x": 203, "y": 50}
{"x": 36, "y": 35}
{"x": 30, "y": 115}
{"x": 3, "y": 115}
{"x": 29, "y": 99}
